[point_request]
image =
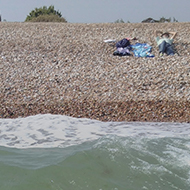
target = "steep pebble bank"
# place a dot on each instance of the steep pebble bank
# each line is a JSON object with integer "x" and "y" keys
{"x": 69, "y": 69}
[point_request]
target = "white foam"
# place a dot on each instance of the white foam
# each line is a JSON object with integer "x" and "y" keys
{"x": 61, "y": 131}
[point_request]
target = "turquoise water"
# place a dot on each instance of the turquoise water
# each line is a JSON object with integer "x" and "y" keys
{"x": 112, "y": 161}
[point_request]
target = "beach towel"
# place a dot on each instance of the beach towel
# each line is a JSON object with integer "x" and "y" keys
{"x": 110, "y": 41}
{"x": 142, "y": 50}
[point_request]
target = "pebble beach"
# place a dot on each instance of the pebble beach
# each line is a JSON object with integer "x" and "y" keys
{"x": 68, "y": 69}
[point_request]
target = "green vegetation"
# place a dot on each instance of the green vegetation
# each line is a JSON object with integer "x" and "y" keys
{"x": 45, "y": 14}
{"x": 161, "y": 20}
{"x": 47, "y": 18}
{"x": 120, "y": 21}
{"x": 151, "y": 20}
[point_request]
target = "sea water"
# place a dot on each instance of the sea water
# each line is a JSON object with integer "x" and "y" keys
{"x": 54, "y": 152}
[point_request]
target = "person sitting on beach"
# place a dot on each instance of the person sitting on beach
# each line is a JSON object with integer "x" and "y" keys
{"x": 164, "y": 42}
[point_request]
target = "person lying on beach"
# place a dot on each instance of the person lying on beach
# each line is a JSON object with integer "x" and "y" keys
{"x": 164, "y": 42}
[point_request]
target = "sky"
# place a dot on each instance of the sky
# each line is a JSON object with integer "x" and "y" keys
{"x": 99, "y": 11}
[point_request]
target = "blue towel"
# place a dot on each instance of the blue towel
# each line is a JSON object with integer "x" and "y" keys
{"x": 142, "y": 50}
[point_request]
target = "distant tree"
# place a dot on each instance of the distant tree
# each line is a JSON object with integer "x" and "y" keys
{"x": 174, "y": 20}
{"x": 0, "y": 18}
{"x": 161, "y": 20}
{"x": 119, "y": 21}
{"x": 42, "y": 12}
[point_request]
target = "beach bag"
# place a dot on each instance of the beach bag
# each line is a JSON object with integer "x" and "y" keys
{"x": 123, "y": 43}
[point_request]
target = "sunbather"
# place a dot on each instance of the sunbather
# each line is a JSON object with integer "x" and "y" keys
{"x": 164, "y": 42}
